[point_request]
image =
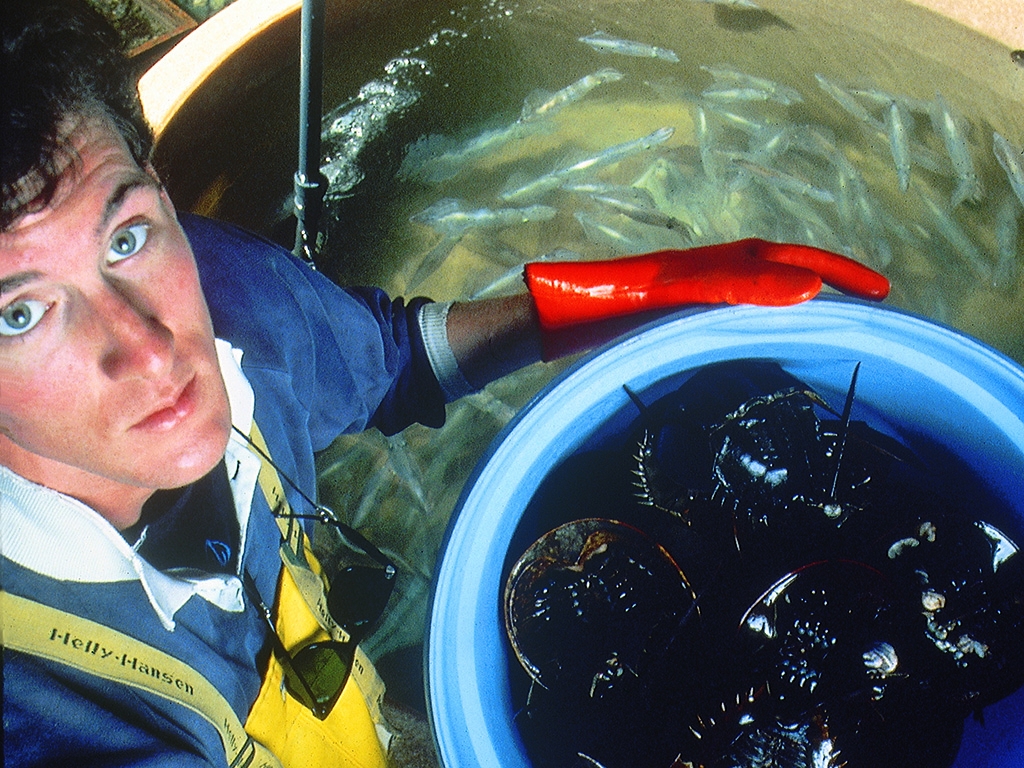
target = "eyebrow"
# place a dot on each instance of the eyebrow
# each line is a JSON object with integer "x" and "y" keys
{"x": 15, "y": 281}
{"x": 117, "y": 197}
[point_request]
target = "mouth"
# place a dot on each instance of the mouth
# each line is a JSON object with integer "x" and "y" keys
{"x": 169, "y": 415}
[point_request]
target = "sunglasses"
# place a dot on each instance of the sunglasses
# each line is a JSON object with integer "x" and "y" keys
{"x": 356, "y": 596}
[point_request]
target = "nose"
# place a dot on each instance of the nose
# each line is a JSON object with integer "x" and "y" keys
{"x": 135, "y": 341}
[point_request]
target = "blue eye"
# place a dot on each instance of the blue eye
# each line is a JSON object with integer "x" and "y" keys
{"x": 21, "y": 317}
{"x": 127, "y": 242}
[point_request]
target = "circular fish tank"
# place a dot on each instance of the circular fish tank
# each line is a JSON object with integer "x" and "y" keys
{"x": 462, "y": 139}
{"x": 920, "y": 381}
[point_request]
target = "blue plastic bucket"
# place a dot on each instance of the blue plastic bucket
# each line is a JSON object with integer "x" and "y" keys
{"x": 916, "y": 377}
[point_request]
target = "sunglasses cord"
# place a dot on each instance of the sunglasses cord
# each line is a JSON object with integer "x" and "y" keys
{"x": 324, "y": 514}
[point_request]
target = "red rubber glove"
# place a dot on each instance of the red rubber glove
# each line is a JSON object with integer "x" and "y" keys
{"x": 748, "y": 271}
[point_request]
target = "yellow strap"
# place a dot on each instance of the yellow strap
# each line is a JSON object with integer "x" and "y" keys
{"x": 87, "y": 646}
{"x": 347, "y": 738}
{"x": 305, "y": 573}
{"x": 293, "y": 544}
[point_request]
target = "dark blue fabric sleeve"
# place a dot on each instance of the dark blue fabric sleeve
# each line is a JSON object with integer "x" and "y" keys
{"x": 57, "y": 715}
{"x": 353, "y": 358}
{"x": 64, "y": 720}
{"x": 414, "y": 395}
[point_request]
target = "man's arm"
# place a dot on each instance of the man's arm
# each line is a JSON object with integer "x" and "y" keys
{"x": 572, "y": 306}
{"x": 494, "y": 337}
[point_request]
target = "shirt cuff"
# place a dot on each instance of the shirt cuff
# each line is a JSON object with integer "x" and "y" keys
{"x": 433, "y": 320}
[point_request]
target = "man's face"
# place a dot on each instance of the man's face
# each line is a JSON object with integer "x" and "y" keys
{"x": 109, "y": 383}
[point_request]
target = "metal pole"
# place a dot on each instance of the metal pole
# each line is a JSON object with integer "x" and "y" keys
{"x": 310, "y": 183}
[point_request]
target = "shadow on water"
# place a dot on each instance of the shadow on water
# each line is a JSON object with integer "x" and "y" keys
{"x": 739, "y": 19}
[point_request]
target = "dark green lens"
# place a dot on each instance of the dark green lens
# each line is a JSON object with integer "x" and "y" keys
{"x": 358, "y": 596}
{"x": 316, "y": 675}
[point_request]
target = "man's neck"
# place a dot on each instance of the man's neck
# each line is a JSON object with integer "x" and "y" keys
{"x": 119, "y": 504}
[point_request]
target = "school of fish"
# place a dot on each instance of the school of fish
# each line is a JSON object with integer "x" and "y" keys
{"x": 751, "y": 172}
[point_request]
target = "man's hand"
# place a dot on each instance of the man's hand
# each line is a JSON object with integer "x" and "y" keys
{"x": 748, "y": 271}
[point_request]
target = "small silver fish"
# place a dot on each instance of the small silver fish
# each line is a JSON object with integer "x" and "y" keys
{"x": 882, "y": 98}
{"x": 861, "y": 216}
{"x": 951, "y": 128}
{"x": 733, "y": 117}
{"x": 851, "y": 100}
{"x": 634, "y": 202}
{"x": 541, "y": 104}
{"x": 450, "y": 217}
{"x": 729, "y": 95}
{"x": 798, "y": 220}
{"x": 373, "y": 488}
{"x": 403, "y": 464}
{"x": 602, "y": 42}
{"x": 641, "y": 213}
{"x": 781, "y": 179}
{"x": 1007, "y": 230}
{"x": 664, "y": 182}
{"x": 555, "y": 179}
{"x": 432, "y": 260}
{"x": 505, "y": 284}
{"x": 706, "y": 142}
{"x": 601, "y": 233}
{"x": 627, "y": 236}
{"x": 511, "y": 281}
{"x": 819, "y": 142}
{"x": 848, "y": 102}
{"x": 771, "y": 142}
{"x": 621, "y": 151}
{"x": 898, "y": 127}
{"x": 962, "y": 244}
{"x": 676, "y": 193}
{"x": 734, "y": 85}
{"x": 434, "y": 158}
{"x": 1009, "y": 158}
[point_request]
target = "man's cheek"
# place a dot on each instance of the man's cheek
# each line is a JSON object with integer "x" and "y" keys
{"x": 12, "y": 400}
{"x": 30, "y": 410}
{"x": 16, "y": 435}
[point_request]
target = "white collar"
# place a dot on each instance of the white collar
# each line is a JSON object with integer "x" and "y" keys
{"x": 60, "y": 537}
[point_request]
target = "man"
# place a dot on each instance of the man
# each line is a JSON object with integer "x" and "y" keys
{"x": 164, "y": 384}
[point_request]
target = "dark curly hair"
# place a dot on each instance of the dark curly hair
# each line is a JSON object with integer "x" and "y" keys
{"x": 60, "y": 59}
